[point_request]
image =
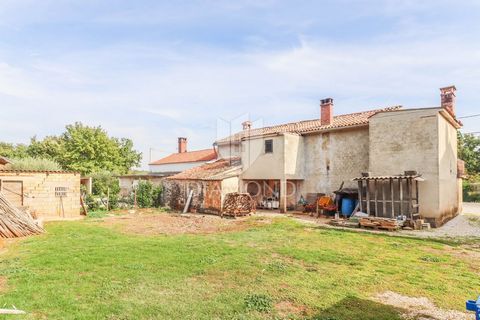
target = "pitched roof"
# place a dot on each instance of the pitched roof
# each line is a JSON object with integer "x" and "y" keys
{"x": 4, "y": 160}
{"x": 309, "y": 126}
{"x": 218, "y": 170}
{"x": 191, "y": 156}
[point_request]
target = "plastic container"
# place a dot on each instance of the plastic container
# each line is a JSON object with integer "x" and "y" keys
{"x": 347, "y": 206}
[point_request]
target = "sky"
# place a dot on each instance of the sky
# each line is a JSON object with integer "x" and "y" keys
{"x": 153, "y": 70}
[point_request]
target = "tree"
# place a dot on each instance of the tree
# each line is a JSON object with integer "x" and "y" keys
{"x": 51, "y": 147}
{"x": 469, "y": 151}
{"x": 11, "y": 150}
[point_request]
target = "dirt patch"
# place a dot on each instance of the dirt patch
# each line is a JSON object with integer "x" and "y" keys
{"x": 288, "y": 309}
{"x": 168, "y": 223}
{"x": 420, "y": 308}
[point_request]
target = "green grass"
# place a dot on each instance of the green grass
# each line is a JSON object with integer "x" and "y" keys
{"x": 81, "y": 270}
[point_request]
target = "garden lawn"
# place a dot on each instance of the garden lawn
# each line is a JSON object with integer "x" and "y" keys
{"x": 285, "y": 269}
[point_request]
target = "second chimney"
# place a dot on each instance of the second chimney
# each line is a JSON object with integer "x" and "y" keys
{"x": 326, "y": 111}
{"x": 182, "y": 145}
{"x": 447, "y": 96}
{"x": 247, "y": 125}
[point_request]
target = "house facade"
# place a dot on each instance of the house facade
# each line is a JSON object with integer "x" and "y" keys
{"x": 286, "y": 162}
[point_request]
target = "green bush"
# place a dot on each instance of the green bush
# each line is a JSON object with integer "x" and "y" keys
{"x": 144, "y": 194}
{"x": 157, "y": 196}
{"x": 471, "y": 189}
{"x": 30, "y": 163}
{"x": 148, "y": 195}
{"x": 105, "y": 184}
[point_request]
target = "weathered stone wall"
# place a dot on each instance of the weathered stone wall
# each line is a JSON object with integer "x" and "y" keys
{"x": 449, "y": 203}
{"x": 334, "y": 157}
{"x": 207, "y": 195}
{"x": 421, "y": 140}
{"x": 39, "y": 192}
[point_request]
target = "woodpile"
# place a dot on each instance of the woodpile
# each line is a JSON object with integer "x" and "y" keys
{"x": 15, "y": 222}
{"x": 379, "y": 223}
{"x": 238, "y": 204}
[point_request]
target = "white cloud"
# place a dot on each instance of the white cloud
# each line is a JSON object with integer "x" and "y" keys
{"x": 155, "y": 92}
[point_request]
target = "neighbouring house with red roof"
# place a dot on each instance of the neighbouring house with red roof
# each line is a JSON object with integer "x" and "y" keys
{"x": 183, "y": 159}
{"x": 403, "y": 162}
{"x": 167, "y": 166}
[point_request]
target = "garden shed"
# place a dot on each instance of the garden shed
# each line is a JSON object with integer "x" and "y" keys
{"x": 208, "y": 185}
{"x": 46, "y": 194}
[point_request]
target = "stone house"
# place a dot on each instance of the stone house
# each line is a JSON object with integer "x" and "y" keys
{"x": 46, "y": 194}
{"x": 288, "y": 161}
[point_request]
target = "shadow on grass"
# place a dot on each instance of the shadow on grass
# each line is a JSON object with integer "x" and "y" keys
{"x": 353, "y": 308}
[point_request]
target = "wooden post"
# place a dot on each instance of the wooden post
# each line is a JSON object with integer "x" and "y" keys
{"x": 400, "y": 190}
{"x": 360, "y": 196}
{"x": 376, "y": 197}
{"x": 392, "y": 195}
{"x": 409, "y": 198}
{"x": 368, "y": 197}
{"x": 108, "y": 199}
{"x": 135, "y": 198}
{"x": 384, "y": 200}
{"x": 416, "y": 196}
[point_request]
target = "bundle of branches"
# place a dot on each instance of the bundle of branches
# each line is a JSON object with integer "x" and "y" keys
{"x": 238, "y": 204}
{"x": 15, "y": 222}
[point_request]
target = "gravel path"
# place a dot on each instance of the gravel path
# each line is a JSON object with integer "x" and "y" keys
{"x": 471, "y": 208}
{"x": 466, "y": 225}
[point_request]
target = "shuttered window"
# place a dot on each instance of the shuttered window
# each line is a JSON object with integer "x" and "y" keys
{"x": 268, "y": 146}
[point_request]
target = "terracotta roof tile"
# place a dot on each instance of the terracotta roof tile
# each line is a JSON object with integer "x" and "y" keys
{"x": 307, "y": 126}
{"x": 218, "y": 170}
{"x": 191, "y": 156}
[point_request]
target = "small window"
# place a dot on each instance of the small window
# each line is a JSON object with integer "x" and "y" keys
{"x": 60, "y": 191}
{"x": 268, "y": 146}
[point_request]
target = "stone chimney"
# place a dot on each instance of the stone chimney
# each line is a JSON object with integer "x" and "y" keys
{"x": 326, "y": 111}
{"x": 447, "y": 96}
{"x": 247, "y": 125}
{"x": 182, "y": 145}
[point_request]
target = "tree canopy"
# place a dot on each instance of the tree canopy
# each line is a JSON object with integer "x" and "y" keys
{"x": 80, "y": 148}
{"x": 469, "y": 151}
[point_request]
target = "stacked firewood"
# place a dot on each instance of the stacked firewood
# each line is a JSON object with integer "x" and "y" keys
{"x": 379, "y": 223}
{"x": 238, "y": 204}
{"x": 15, "y": 222}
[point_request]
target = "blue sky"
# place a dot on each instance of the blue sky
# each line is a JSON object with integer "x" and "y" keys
{"x": 156, "y": 70}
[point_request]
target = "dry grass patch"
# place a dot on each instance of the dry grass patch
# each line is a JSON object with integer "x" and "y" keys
{"x": 175, "y": 224}
{"x": 420, "y": 308}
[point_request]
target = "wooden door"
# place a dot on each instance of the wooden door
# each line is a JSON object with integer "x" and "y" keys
{"x": 13, "y": 191}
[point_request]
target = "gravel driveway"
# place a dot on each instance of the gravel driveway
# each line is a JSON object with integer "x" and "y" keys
{"x": 466, "y": 224}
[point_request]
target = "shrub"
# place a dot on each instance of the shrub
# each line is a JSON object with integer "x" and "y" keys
{"x": 148, "y": 195}
{"x": 30, "y": 163}
{"x": 258, "y": 302}
{"x": 106, "y": 184}
{"x": 471, "y": 189}
{"x": 157, "y": 196}
{"x": 144, "y": 194}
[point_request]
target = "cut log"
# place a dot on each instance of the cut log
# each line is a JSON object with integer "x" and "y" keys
{"x": 15, "y": 222}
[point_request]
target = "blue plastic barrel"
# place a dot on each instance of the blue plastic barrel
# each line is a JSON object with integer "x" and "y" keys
{"x": 347, "y": 206}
